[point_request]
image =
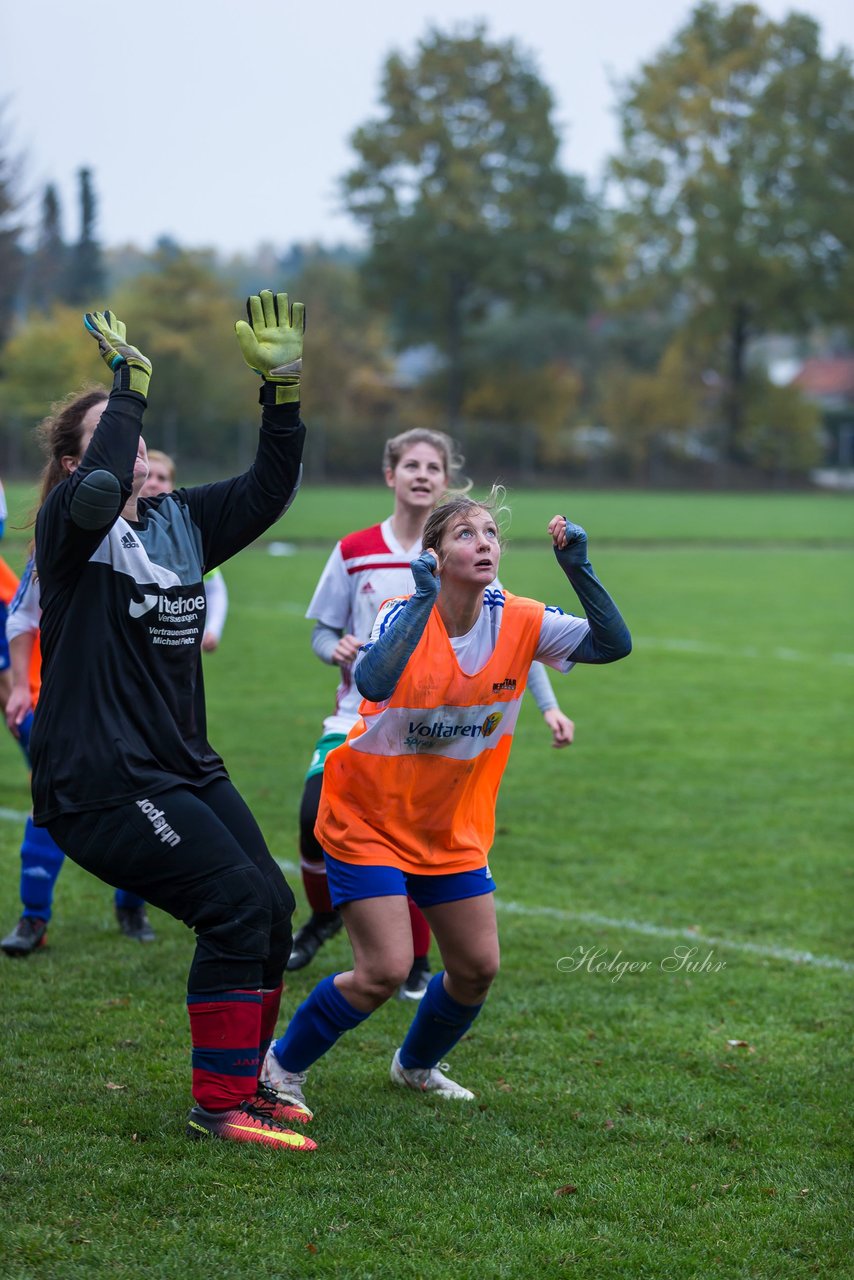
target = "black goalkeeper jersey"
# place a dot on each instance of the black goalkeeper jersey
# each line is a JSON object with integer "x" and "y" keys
{"x": 122, "y": 709}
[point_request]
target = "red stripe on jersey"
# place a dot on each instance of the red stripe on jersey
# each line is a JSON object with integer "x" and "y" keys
{"x": 369, "y": 568}
{"x": 365, "y": 542}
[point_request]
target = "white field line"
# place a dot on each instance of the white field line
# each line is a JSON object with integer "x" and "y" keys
{"x": 787, "y": 954}
{"x": 690, "y": 935}
{"x": 704, "y": 649}
{"x": 12, "y": 815}
{"x": 657, "y": 931}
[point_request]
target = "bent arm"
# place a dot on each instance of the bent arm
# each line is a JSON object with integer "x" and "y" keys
{"x": 332, "y": 646}
{"x": 398, "y": 629}
{"x": 324, "y": 641}
{"x": 20, "y": 698}
{"x": 79, "y": 512}
{"x": 608, "y": 639}
{"x": 541, "y": 688}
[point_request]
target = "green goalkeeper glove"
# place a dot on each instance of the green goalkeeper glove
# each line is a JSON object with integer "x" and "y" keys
{"x": 272, "y": 344}
{"x": 131, "y": 369}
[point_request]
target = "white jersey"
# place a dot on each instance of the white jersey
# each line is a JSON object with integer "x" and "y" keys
{"x": 560, "y": 633}
{"x": 25, "y": 611}
{"x": 364, "y": 569}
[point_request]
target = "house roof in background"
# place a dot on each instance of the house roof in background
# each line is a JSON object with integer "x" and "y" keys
{"x": 827, "y": 376}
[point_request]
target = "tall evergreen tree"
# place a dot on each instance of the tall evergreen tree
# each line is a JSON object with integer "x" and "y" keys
{"x": 84, "y": 281}
{"x": 11, "y": 230}
{"x": 47, "y": 275}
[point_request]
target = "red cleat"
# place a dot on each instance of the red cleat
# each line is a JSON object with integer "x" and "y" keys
{"x": 252, "y": 1121}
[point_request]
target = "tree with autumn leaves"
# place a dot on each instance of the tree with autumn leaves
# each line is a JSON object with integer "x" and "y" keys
{"x": 736, "y": 209}
{"x": 731, "y": 216}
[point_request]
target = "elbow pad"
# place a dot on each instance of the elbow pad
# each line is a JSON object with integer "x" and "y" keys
{"x": 97, "y": 501}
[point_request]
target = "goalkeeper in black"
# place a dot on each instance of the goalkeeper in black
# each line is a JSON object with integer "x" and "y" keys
{"x": 123, "y": 775}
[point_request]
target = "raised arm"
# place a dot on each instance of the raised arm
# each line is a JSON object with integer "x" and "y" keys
{"x": 233, "y": 513}
{"x": 608, "y": 639}
{"x": 380, "y": 665}
{"x": 78, "y": 513}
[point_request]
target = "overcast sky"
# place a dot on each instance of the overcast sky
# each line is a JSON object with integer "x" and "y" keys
{"x": 226, "y": 122}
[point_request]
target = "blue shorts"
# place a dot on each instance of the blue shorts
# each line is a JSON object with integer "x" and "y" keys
{"x": 349, "y": 883}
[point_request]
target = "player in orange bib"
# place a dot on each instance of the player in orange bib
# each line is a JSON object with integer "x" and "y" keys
{"x": 408, "y": 801}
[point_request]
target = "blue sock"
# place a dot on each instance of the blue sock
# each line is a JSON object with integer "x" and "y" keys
{"x": 318, "y": 1022}
{"x": 128, "y": 901}
{"x": 41, "y": 863}
{"x": 437, "y": 1026}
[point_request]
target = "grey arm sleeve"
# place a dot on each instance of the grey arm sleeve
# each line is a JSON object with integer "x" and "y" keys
{"x": 541, "y": 688}
{"x": 323, "y": 641}
{"x": 608, "y": 639}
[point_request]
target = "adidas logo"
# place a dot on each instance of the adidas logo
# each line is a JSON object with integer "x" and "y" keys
{"x": 129, "y": 541}
{"x": 367, "y": 588}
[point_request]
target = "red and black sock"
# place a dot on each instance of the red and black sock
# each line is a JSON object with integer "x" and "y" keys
{"x": 225, "y": 1029}
{"x": 316, "y": 887}
{"x": 270, "y": 1001}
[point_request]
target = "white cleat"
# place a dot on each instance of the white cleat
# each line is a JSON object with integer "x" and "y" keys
{"x": 286, "y": 1085}
{"x": 428, "y": 1080}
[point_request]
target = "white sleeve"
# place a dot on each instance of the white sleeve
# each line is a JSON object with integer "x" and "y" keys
{"x": 331, "y": 602}
{"x": 25, "y": 612}
{"x": 217, "y": 597}
{"x": 560, "y": 635}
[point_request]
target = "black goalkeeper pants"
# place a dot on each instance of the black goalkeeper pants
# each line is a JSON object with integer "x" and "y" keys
{"x": 199, "y": 854}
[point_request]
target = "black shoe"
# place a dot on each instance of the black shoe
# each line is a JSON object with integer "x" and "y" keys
{"x": 28, "y": 935}
{"x": 134, "y": 923}
{"x": 417, "y": 982}
{"x": 311, "y": 937}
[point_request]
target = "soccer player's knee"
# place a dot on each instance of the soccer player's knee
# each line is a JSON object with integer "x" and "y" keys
{"x": 381, "y": 983}
{"x": 282, "y": 899}
{"x": 281, "y": 942}
{"x": 239, "y": 915}
{"x": 282, "y": 905}
{"x": 477, "y": 973}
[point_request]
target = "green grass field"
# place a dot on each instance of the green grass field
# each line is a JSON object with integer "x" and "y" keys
{"x": 670, "y": 1122}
